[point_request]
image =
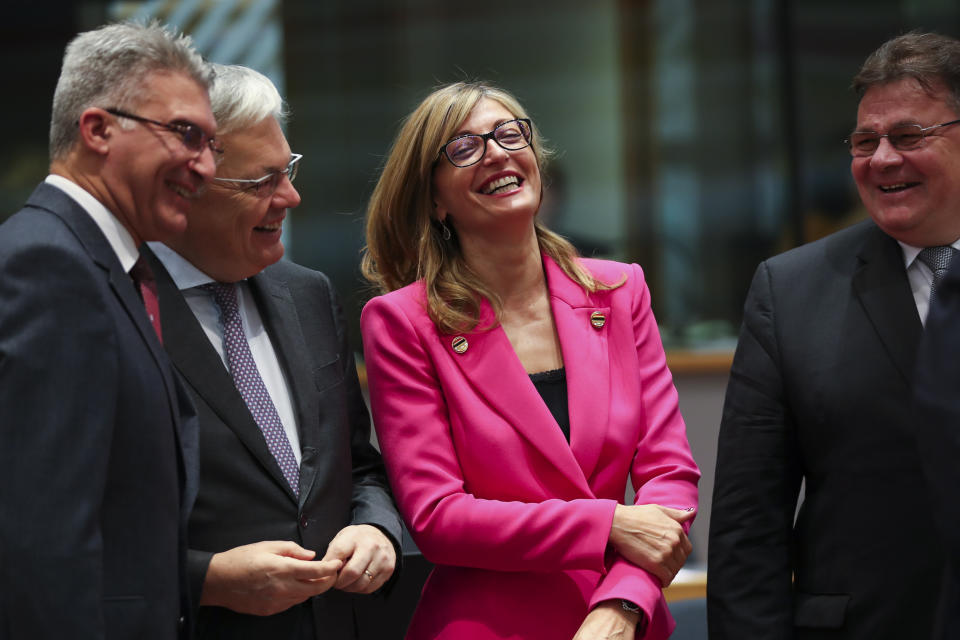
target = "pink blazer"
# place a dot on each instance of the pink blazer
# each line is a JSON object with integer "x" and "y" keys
{"x": 515, "y": 518}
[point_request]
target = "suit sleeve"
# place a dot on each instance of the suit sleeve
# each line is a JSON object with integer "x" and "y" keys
{"x": 663, "y": 470}
{"x": 58, "y": 382}
{"x": 758, "y": 474}
{"x": 938, "y": 411}
{"x": 450, "y": 525}
{"x": 372, "y": 500}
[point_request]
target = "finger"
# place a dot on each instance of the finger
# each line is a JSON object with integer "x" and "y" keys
{"x": 308, "y": 570}
{"x": 288, "y": 549}
{"x": 679, "y": 515}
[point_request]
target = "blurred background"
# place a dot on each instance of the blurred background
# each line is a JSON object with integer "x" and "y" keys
{"x": 695, "y": 137}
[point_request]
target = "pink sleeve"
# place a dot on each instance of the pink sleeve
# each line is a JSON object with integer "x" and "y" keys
{"x": 663, "y": 470}
{"x": 449, "y": 525}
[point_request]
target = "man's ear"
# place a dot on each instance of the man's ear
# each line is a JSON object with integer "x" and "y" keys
{"x": 96, "y": 127}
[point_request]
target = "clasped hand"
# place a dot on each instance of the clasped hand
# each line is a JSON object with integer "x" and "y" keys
{"x": 651, "y": 537}
{"x": 268, "y": 577}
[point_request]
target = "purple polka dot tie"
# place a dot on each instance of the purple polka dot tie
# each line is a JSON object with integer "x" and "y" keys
{"x": 245, "y": 375}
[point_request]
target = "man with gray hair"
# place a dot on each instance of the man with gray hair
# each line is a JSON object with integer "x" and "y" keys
{"x": 97, "y": 438}
{"x": 293, "y": 514}
{"x": 820, "y": 387}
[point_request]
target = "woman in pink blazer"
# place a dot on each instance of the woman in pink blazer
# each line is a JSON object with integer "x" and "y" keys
{"x": 515, "y": 387}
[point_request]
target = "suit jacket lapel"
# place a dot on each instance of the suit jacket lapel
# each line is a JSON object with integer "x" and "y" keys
{"x": 882, "y": 286}
{"x": 491, "y": 366}
{"x": 279, "y": 314}
{"x": 199, "y": 364}
{"x": 586, "y": 361}
{"x": 97, "y": 246}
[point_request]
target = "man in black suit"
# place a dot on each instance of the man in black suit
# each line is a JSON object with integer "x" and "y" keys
{"x": 97, "y": 440}
{"x": 820, "y": 388}
{"x": 293, "y": 499}
{"x": 938, "y": 434}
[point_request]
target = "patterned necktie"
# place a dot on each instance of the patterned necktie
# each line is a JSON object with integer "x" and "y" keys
{"x": 938, "y": 260}
{"x": 247, "y": 378}
{"x": 143, "y": 280}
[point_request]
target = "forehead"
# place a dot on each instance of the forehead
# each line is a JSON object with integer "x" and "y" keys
{"x": 259, "y": 147}
{"x": 485, "y": 115}
{"x": 903, "y": 101}
{"x": 171, "y": 95}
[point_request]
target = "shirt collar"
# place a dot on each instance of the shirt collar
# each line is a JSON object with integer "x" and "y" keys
{"x": 184, "y": 274}
{"x": 110, "y": 226}
{"x": 910, "y": 252}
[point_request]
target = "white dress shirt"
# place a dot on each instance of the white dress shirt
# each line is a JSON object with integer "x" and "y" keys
{"x": 920, "y": 277}
{"x": 117, "y": 235}
{"x": 187, "y": 278}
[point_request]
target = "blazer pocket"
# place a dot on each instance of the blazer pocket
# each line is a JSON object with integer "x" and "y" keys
{"x": 820, "y": 610}
{"x": 328, "y": 375}
{"x": 123, "y": 616}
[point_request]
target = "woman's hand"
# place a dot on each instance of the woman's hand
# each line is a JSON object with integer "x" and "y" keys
{"x": 609, "y": 621}
{"x": 650, "y": 536}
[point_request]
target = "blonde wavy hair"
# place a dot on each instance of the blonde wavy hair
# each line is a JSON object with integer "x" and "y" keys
{"x": 404, "y": 240}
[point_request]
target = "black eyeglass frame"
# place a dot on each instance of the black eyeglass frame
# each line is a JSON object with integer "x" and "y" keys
{"x": 185, "y": 129}
{"x": 254, "y": 184}
{"x": 894, "y": 141}
{"x": 485, "y": 137}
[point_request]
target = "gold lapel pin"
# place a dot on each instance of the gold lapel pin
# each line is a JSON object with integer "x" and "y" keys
{"x": 459, "y": 344}
{"x": 597, "y": 319}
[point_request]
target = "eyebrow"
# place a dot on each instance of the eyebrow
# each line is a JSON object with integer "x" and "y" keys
{"x": 467, "y": 132}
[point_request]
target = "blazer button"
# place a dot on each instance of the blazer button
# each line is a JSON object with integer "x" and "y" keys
{"x": 304, "y": 522}
{"x": 597, "y": 319}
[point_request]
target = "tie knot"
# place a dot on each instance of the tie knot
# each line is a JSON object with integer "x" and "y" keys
{"x": 937, "y": 258}
{"x": 141, "y": 271}
{"x": 224, "y": 294}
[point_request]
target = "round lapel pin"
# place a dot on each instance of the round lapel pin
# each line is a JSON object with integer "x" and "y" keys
{"x": 459, "y": 344}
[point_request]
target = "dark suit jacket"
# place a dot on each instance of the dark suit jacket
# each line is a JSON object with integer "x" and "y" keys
{"x": 938, "y": 433}
{"x": 820, "y": 390}
{"x": 243, "y": 496}
{"x": 94, "y": 487}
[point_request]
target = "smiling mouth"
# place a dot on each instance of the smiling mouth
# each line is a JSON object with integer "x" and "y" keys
{"x": 894, "y": 188}
{"x": 181, "y": 191}
{"x": 501, "y": 185}
{"x": 269, "y": 228}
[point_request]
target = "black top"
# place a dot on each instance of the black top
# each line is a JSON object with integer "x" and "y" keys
{"x": 552, "y": 387}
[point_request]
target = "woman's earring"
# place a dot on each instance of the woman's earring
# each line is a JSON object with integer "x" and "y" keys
{"x": 444, "y": 231}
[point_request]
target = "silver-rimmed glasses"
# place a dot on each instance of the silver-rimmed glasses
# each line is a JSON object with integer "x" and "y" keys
{"x": 903, "y": 137}
{"x": 470, "y": 148}
{"x": 267, "y": 185}
{"x": 192, "y": 136}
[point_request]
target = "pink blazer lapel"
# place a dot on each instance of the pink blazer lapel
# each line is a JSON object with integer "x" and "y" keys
{"x": 491, "y": 366}
{"x": 586, "y": 361}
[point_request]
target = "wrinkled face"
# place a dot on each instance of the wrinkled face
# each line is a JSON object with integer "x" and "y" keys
{"x": 234, "y": 232}
{"x": 502, "y": 189}
{"x": 913, "y": 195}
{"x": 153, "y": 176}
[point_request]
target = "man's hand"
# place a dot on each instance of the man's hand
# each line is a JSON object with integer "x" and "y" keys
{"x": 267, "y": 577}
{"x": 651, "y": 537}
{"x": 367, "y": 555}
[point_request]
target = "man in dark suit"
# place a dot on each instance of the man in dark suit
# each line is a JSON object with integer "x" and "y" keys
{"x": 293, "y": 499}
{"x": 97, "y": 440}
{"x": 938, "y": 434}
{"x": 820, "y": 388}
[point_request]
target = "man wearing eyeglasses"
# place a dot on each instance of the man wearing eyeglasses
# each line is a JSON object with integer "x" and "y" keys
{"x": 97, "y": 436}
{"x": 293, "y": 515}
{"x": 820, "y": 387}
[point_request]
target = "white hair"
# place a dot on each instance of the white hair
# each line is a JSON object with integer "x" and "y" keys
{"x": 241, "y": 97}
